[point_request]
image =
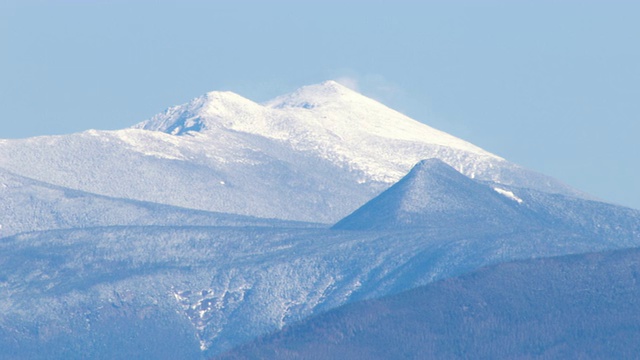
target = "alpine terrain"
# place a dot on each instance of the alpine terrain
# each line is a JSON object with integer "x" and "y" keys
{"x": 219, "y": 221}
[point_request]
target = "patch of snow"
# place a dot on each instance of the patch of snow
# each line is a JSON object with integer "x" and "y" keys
{"x": 508, "y": 194}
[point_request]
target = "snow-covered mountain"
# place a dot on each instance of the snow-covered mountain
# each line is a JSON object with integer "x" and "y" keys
{"x": 432, "y": 194}
{"x": 226, "y": 285}
{"x": 314, "y": 155}
{"x": 121, "y": 244}
{"x": 327, "y": 120}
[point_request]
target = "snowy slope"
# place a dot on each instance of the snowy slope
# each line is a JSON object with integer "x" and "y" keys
{"x": 231, "y": 173}
{"x": 328, "y": 119}
{"x": 229, "y": 285}
{"x": 433, "y": 194}
{"x": 430, "y": 195}
{"x": 314, "y": 155}
{"x": 572, "y": 307}
{"x": 30, "y": 205}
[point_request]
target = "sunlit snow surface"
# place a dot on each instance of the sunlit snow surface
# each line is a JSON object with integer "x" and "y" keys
{"x": 314, "y": 155}
{"x": 31, "y": 205}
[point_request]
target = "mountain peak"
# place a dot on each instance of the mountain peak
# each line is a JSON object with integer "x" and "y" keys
{"x": 316, "y": 95}
{"x": 431, "y": 194}
{"x": 330, "y": 111}
{"x": 429, "y": 167}
{"x": 432, "y": 175}
{"x": 205, "y": 112}
{"x": 227, "y": 109}
{"x": 331, "y": 85}
{"x": 227, "y": 96}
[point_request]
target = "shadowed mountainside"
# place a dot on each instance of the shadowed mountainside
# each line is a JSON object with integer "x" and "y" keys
{"x": 581, "y": 306}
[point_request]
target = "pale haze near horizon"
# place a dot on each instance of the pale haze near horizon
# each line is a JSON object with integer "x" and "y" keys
{"x": 551, "y": 86}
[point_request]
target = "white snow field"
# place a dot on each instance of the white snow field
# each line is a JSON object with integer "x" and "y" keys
{"x": 31, "y": 205}
{"x": 314, "y": 155}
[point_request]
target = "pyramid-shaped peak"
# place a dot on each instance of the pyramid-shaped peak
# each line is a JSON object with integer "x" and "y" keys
{"x": 311, "y": 96}
{"x": 433, "y": 175}
{"x": 433, "y": 194}
{"x": 224, "y": 103}
{"x": 430, "y": 167}
{"x": 430, "y": 163}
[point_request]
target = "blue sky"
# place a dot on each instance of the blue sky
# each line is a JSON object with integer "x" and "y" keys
{"x": 551, "y": 85}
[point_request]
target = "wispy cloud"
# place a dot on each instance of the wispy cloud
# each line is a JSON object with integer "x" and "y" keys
{"x": 373, "y": 85}
{"x": 350, "y": 82}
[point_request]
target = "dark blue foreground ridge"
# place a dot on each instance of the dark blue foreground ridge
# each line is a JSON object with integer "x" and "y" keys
{"x": 572, "y": 307}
